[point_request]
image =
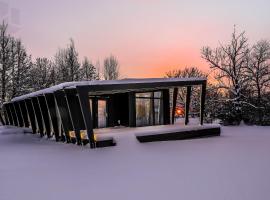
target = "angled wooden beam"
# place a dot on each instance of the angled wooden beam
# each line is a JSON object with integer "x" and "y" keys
{"x": 75, "y": 113}
{"x": 7, "y": 122}
{"x": 86, "y": 112}
{"x": 2, "y": 117}
{"x": 187, "y": 104}
{"x": 53, "y": 115}
{"x": 24, "y": 113}
{"x": 64, "y": 113}
{"x": 203, "y": 94}
{"x": 38, "y": 115}
{"x": 14, "y": 116}
{"x": 19, "y": 114}
{"x": 175, "y": 93}
{"x": 45, "y": 115}
{"x": 31, "y": 114}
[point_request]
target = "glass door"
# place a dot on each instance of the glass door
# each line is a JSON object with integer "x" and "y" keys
{"x": 102, "y": 113}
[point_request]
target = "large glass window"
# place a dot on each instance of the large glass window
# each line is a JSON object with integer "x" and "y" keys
{"x": 149, "y": 109}
{"x": 102, "y": 113}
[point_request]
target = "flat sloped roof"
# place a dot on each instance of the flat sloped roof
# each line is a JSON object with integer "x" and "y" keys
{"x": 123, "y": 84}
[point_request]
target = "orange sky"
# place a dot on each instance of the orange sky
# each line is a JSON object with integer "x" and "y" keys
{"x": 149, "y": 37}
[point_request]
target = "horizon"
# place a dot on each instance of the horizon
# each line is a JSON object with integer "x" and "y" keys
{"x": 147, "y": 37}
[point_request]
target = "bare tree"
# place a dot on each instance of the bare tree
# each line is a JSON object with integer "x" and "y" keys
{"x": 187, "y": 72}
{"x": 229, "y": 62}
{"x": 111, "y": 68}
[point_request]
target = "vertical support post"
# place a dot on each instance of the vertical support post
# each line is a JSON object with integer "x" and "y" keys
{"x": 86, "y": 112}
{"x": 31, "y": 114}
{"x": 52, "y": 113}
{"x": 132, "y": 109}
{"x": 187, "y": 104}
{"x": 166, "y": 106}
{"x": 203, "y": 94}
{"x": 152, "y": 104}
{"x": 24, "y": 113}
{"x": 94, "y": 112}
{"x": 175, "y": 92}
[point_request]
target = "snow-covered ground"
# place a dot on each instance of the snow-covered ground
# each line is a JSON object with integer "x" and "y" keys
{"x": 235, "y": 165}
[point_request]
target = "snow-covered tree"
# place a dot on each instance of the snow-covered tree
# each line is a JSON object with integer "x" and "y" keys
{"x": 67, "y": 64}
{"x": 111, "y": 68}
{"x": 43, "y": 74}
{"x": 258, "y": 73}
{"x": 229, "y": 63}
{"x": 88, "y": 71}
{"x": 20, "y": 74}
{"x": 6, "y": 52}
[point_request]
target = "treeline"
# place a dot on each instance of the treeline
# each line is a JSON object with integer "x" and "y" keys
{"x": 20, "y": 74}
{"x": 238, "y": 83}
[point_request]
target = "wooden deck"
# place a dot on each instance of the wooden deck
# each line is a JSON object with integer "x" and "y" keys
{"x": 162, "y": 132}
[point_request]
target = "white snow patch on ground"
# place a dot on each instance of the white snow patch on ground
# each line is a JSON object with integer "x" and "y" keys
{"x": 233, "y": 166}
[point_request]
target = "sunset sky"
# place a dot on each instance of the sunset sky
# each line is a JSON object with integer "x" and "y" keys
{"x": 149, "y": 37}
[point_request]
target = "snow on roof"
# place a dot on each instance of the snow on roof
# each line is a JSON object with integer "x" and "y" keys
{"x": 105, "y": 82}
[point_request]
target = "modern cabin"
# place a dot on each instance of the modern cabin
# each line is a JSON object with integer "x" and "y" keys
{"x": 72, "y": 111}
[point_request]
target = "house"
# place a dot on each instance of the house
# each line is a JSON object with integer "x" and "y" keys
{"x": 72, "y": 111}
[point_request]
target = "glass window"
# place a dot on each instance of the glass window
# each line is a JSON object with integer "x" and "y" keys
{"x": 149, "y": 109}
